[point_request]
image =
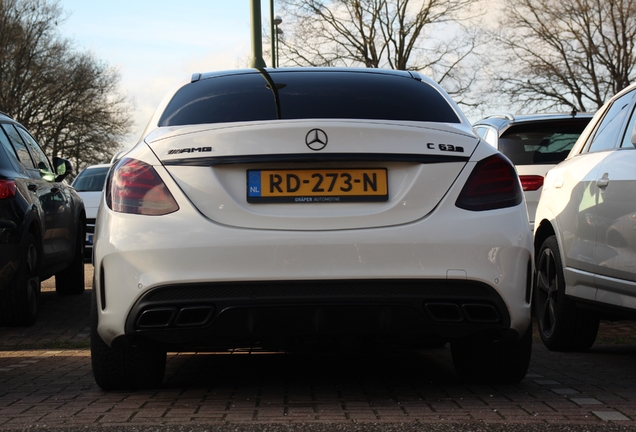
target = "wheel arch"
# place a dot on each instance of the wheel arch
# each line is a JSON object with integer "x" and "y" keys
{"x": 35, "y": 229}
{"x": 544, "y": 231}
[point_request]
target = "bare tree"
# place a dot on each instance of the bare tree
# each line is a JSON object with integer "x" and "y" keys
{"x": 422, "y": 35}
{"x": 68, "y": 100}
{"x": 565, "y": 54}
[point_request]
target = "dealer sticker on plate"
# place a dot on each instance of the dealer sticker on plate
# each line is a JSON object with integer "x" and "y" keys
{"x": 317, "y": 185}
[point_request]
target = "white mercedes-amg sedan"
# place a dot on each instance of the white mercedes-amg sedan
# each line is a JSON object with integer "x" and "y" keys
{"x": 266, "y": 207}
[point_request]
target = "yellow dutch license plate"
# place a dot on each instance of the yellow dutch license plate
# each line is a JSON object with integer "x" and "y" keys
{"x": 317, "y": 185}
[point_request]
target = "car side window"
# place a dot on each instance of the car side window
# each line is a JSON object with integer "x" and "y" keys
{"x": 20, "y": 147}
{"x": 607, "y": 135}
{"x": 4, "y": 139}
{"x": 629, "y": 140}
{"x": 41, "y": 160}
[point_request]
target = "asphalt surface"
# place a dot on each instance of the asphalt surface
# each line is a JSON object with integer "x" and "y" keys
{"x": 46, "y": 383}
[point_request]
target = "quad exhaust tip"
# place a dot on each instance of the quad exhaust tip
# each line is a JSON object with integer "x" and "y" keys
{"x": 457, "y": 313}
{"x": 172, "y": 317}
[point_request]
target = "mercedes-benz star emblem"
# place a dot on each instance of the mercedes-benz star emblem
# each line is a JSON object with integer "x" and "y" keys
{"x": 316, "y": 139}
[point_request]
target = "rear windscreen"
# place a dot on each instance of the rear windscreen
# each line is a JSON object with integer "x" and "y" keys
{"x": 91, "y": 180}
{"x": 541, "y": 142}
{"x": 303, "y": 95}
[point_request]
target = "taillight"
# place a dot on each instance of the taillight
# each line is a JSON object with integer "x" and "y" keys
{"x": 7, "y": 189}
{"x": 493, "y": 184}
{"x": 135, "y": 187}
{"x": 531, "y": 182}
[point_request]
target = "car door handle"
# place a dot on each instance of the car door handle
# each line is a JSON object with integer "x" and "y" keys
{"x": 32, "y": 187}
{"x": 603, "y": 181}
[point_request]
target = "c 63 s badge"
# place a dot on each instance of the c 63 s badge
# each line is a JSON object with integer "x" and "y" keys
{"x": 445, "y": 147}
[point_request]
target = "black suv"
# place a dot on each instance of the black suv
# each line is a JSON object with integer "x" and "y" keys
{"x": 42, "y": 222}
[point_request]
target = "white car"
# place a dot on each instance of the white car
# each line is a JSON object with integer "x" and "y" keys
{"x": 585, "y": 236}
{"x": 534, "y": 143}
{"x": 89, "y": 184}
{"x": 264, "y": 207}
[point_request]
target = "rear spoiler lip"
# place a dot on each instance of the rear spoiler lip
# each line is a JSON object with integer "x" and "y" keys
{"x": 312, "y": 157}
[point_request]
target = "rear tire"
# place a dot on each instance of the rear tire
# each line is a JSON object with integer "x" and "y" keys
{"x": 20, "y": 303}
{"x": 70, "y": 281}
{"x": 124, "y": 367}
{"x": 562, "y": 325}
{"x": 478, "y": 361}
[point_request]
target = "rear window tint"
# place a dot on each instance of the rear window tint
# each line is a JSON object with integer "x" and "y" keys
{"x": 303, "y": 95}
{"x": 541, "y": 143}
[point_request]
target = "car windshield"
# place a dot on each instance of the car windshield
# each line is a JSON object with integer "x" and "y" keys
{"x": 91, "y": 180}
{"x": 308, "y": 94}
{"x": 541, "y": 143}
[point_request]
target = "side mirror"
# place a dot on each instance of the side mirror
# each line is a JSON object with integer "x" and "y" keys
{"x": 63, "y": 167}
{"x": 633, "y": 137}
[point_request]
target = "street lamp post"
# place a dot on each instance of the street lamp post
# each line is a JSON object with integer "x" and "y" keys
{"x": 279, "y": 31}
{"x": 271, "y": 32}
{"x": 257, "y": 43}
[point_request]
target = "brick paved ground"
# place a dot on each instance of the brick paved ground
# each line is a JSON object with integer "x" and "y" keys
{"x": 46, "y": 382}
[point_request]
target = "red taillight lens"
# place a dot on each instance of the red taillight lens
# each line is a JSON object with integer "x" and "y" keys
{"x": 531, "y": 182}
{"x": 493, "y": 184}
{"x": 135, "y": 187}
{"x": 7, "y": 189}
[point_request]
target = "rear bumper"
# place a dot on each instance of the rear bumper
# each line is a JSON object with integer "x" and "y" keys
{"x": 222, "y": 314}
{"x": 10, "y": 252}
{"x": 184, "y": 281}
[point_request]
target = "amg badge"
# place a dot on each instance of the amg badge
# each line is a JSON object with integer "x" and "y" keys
{"x": 190, "y": 150}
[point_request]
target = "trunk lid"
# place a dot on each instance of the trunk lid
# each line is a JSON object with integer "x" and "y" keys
{"x": 213, "y": 165}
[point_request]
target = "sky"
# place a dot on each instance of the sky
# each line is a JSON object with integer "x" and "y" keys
{"x": 154, "y": 44}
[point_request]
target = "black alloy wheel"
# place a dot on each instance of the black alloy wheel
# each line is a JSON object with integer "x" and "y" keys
{"x": 563, "y": 326}
{"x": 546, "y": 293}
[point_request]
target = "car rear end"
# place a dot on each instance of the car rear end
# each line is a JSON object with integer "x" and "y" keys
{"x": 11, "y": 231}
{"x": 268, "y": 206}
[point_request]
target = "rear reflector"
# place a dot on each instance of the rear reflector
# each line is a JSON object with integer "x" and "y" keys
{"x": 493, "y": 184}
{"x": 7, "y": 189}
{"x": 531, "y": 182}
